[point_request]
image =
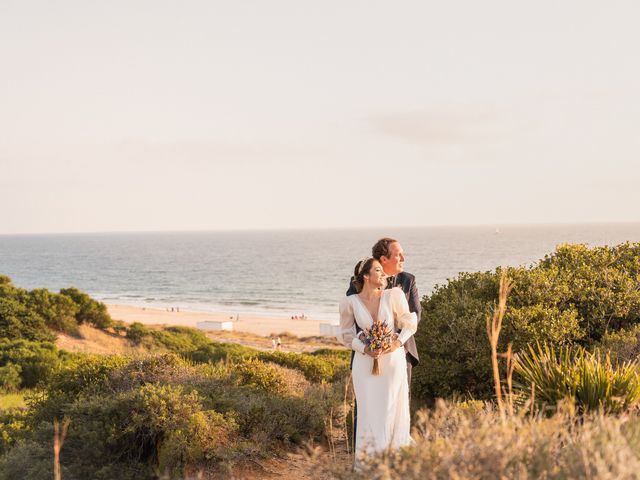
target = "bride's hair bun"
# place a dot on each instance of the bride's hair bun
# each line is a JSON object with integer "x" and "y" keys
{"x": 360, "y": 270}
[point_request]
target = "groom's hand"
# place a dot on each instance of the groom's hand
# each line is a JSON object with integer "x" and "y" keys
{"x": 394, "y": 345}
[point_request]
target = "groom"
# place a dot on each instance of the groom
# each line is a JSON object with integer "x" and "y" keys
{"x": 391, "y": 256}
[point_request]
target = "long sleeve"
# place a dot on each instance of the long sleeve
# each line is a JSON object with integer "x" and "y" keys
{"x": 348, "y": 326}
{"x": 414, "y": 300}
{"x": 406, "y": 320}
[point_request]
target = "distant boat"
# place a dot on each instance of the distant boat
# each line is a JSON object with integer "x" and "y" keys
{"x": 497, "y": 230}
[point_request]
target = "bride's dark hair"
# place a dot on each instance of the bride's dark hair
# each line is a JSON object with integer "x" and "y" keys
{"x": 360, "y": 271}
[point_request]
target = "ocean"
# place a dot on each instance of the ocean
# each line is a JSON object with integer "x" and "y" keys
{"x": 270, "y": 272}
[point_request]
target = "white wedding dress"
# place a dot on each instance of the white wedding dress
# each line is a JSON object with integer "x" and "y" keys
{"x": 383, "y": 400}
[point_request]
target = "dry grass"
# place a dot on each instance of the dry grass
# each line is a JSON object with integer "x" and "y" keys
{"x": 9, "y": 401}
{"x": 474, "y": 441}
{"x": 494, "y": 325}
{"x": 93, "y": 340}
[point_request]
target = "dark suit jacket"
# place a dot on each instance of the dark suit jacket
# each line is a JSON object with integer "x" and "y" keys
{"x": 407, "y": 283}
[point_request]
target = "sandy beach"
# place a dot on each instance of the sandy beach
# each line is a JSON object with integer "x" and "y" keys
{"x": 257, "y": 325}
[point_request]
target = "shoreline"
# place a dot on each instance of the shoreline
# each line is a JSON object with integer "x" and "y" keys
{"x": 249, "y": 323}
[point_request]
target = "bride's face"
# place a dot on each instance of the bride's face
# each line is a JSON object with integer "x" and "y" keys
{"x": 376, "y": 276}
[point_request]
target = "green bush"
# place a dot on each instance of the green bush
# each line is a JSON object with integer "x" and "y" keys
{"x": 19, "y": 321}
{"x": 149, "y": 429}
{"x": 623, "y": 345}
{"x": 163, "y": 415}
{"x": 58, "y": 311}
{"x": 137, "y": 332}
{"x": 88, "y": 310}
{"x": 29, "y": 460}
{"x": 333, "y": 354}
{"x": 270, "y": 420}
{"x": 573, "y": 296}
{"x": 325, "y": 366}
{"x": 13, "y": 427}
{"x": 588, "y": 379}
{"x": 10, "y": 378}
{"x": 314, "y": 368}
{"x": 37, "y": 360}
{"x": 215, "y": 352}
{"x": 179, "y": 339}
{"x": 262, "y": 376}
{"x": 30, "y": 315}
{"x": 82, "y": 376}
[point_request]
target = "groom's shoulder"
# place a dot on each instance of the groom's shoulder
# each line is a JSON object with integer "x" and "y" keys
{"x": 406, "y": 276}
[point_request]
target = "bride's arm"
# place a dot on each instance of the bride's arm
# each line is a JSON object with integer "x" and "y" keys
{"x": 405, "y": 320}
{"x": 348, "y": 327}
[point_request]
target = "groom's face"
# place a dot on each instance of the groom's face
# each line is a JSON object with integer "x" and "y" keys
{"x": 394, "y": 263}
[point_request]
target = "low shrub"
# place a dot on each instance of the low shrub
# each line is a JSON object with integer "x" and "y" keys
{"x": 13, "y": 427}
{"x": 227, "y": 352}
{"x": 18, "y": 321}
{"x": 148, "y": 430}
{"x": 179, "y": 339}
{"x": 82, "y": 376}
{"x": 315, "y": 367}
{"x": 137, "y": 332}
{"x": 37, "y": 360}
{"x": 270, "y": 420}
{"x": 88, "y": 310}
{"x": 58, "y": 311}
{"x": 623, "y": 345}
{"x": 263, "y": 376}
{"x": 10, "y": 378}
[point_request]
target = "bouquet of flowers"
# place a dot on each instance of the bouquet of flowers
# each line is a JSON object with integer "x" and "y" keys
{"x": 378, "y": 337}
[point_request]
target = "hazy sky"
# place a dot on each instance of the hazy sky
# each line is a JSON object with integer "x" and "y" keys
{"x": 158, "y": 115}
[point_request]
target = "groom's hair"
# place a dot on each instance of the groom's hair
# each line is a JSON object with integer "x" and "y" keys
{"x": 381, "y": 248}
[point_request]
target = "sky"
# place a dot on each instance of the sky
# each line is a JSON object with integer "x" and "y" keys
{"x": 205, "y": 115}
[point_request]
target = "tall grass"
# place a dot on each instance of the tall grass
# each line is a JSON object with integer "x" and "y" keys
{"x": 472, "y": 440}
{"x": 9, "y": 401}
{"x": 494, "y": 326}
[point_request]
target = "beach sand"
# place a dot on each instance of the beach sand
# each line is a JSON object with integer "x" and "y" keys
{"x": 257, "y": 325}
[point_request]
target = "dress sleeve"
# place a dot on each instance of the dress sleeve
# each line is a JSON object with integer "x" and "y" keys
{"x": 405, "y": 320}
{"x": 348, "y": 326}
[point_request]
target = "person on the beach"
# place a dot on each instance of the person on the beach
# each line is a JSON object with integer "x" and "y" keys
{"x": 383, "y": 396}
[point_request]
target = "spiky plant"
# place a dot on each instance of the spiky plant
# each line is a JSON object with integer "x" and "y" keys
{"x": 589, "y": 379}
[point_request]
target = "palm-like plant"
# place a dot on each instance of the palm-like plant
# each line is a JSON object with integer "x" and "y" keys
{"x": 589, "y": 379}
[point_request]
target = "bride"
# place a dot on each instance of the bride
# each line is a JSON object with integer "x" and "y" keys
{"x": 383, "y": 400}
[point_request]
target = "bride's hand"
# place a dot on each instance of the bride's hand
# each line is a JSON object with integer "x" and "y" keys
{"x": 372, "y": 353}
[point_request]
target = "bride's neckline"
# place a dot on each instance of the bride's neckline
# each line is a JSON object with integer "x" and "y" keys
{"x": 367, "y": 308}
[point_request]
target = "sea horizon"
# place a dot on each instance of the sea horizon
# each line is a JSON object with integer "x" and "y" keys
{"x": 329, "y": 228}
{"x": 272, "y": 272}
